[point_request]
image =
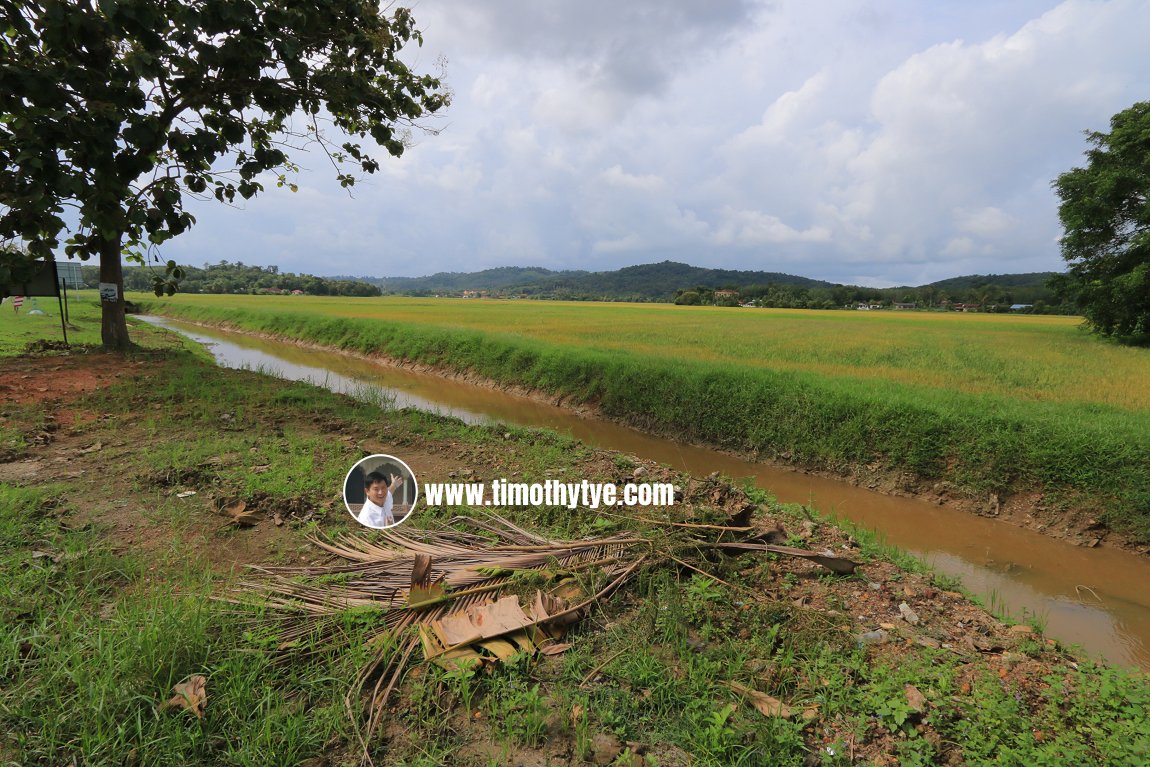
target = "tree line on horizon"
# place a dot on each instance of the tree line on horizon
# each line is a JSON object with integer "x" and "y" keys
{"x": 988, "y": 295}
{"x": 238, "y": 277}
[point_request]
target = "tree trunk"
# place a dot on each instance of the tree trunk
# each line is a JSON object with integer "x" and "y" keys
{"x": 113, "y": 326}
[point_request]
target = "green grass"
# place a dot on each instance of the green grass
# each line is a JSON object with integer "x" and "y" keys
{"x": 92, "y": 640}
{"x": 1072, "y": 423}
{"x": 90, "y": 647}
{"x": 18, "y": 330}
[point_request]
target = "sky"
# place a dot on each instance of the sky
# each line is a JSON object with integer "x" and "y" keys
{"x": 874, "y": 143}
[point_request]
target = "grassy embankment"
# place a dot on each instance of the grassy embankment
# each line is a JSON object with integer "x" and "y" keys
{"x": 107, "y": 574}
{"x": 985, "y": 404}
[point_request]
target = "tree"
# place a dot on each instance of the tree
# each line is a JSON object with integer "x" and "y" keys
{"x": 122, "y": 108}
{"x": 1105, "y": 212}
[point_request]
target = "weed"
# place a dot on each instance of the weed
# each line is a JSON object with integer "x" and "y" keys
{"x": 715, "y": 738}
{"x": 519, "y": 710}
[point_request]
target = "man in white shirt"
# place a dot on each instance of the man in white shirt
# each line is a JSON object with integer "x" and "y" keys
{"x": 376, "y": 511}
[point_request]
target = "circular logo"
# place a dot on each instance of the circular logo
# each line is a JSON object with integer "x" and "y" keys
{"x": 380, "y": 491}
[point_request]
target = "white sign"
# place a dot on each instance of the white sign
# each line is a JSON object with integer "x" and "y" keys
{"x": 69, "y": 275}
{"x": 109, "y": 292}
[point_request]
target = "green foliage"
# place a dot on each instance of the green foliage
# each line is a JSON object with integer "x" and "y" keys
{"x": 1105, "y": 212}
{"x": 122, "y": 108}
{"x": 516, "y": 706}
{"x": 226, "y": 277}
{"x": 16, "y": 266}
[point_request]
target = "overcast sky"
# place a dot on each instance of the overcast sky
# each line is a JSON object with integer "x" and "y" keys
{"x": 875, "y": 143}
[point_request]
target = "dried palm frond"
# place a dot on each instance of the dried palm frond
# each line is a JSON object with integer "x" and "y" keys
{"x": 421, "y": 577}
{"x": 437, "y": 588}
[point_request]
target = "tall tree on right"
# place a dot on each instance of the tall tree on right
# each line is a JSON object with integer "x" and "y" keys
{"x": 1105, "y": 212}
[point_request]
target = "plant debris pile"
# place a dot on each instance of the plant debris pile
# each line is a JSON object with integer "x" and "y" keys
{"x": 452, "y": 592}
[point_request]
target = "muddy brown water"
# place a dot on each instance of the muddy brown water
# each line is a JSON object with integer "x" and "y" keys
{"x": 1096, "y": 598}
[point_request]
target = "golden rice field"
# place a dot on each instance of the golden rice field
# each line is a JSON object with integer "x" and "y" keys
{"x": 1018, "y": 356}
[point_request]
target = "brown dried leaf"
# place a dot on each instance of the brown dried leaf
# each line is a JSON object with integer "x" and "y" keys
{"x": 763, "y": 703}
{"x": 576, "y": 714}
{"x": 500, "y": 628}
{"x": 239, "y": 516}
{"x": 423, "y": 592}
{"x": 190, "y": 695}
{"x": 555, "y": 649}
{"x": 915, "y": 699}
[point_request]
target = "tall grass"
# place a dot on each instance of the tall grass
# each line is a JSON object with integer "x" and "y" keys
{"x": 1094, "y": 453}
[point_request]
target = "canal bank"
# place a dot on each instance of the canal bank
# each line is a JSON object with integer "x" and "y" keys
{"x": 1094, "y": 597}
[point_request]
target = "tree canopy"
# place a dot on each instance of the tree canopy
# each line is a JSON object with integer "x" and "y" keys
{"x": 122, "y": 108}
{"x": 225, "y": 277}
{"x": 1105, "y": 212}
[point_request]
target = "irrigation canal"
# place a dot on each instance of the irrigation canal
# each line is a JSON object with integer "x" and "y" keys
{"x": 1097, "y": 598}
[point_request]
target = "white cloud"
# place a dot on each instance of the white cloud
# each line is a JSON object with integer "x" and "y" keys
{"x": 752, "y": 227}
{"x": 905, "y": 141}
{"x": 983, "y": 222}
{"x": 616, "y": 176}
{"x": 627, "y": 243}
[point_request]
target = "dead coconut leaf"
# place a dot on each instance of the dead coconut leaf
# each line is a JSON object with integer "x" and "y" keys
{"x": 491, "y": 632}
{"x": 190, "y": 695}
{"x": 441, "y": 591}
{"x": 420, "y": 577}
{"x": 763, "y": 703}
{"x": 424, "y": 593}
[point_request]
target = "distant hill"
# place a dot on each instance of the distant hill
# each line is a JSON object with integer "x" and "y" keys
{"x": 500, "y": 278}
{"x": 682, "y": 283}
{"x": 1024, "y": 280}
{"x": 647, "y": 282}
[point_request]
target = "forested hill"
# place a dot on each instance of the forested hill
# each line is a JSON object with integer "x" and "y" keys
{"x": 647, "y": 282}
{"x": 1023, "y": 280}
{"x": 682, "y": 283}
{"x": 502, "y": 278}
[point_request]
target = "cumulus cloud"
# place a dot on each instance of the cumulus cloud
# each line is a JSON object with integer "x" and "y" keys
{"x": 893, "y": 143}
{"x": 752, "y": 227}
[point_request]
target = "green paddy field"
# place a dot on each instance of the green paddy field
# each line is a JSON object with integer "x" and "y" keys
{"x": 990, "y": 404}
